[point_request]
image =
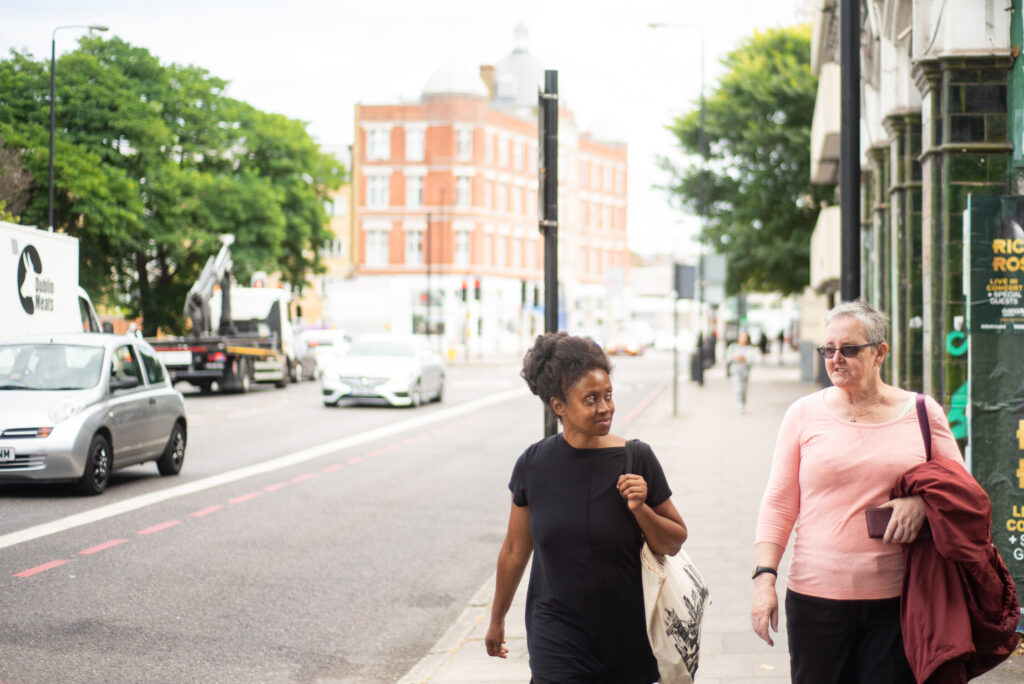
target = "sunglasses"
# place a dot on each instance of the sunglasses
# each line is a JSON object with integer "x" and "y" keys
{"x": 849, "y": 350}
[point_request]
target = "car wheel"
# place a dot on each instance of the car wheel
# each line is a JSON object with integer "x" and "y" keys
{"x": 174, "y": 452}
{"x": 205, "y": 386}
{"x": 416, "y": 396}
{"x": 440, "y": 391}
{"x": 286, "y": 374}
{"x": 244, "y": 376}
{"x": 97, "y": 467}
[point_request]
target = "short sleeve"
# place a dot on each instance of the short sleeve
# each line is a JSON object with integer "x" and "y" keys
{"x": 658, "y": 491}
{"x": 518, "y": 484}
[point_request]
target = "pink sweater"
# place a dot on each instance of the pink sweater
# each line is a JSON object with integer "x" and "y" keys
{"x": 825, "y": 472}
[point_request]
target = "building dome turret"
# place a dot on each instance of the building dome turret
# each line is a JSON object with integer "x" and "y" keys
{"x": 455, "y": 77}
{"x": 519, "y": 76}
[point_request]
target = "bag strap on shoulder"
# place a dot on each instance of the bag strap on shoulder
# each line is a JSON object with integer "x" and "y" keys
{"x": 630, "y": 457}
{"x": 922, "y": 421}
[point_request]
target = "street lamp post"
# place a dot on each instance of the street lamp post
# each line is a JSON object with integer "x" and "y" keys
{"x": 53, "y": 89}
{"x": 697, "y": 367}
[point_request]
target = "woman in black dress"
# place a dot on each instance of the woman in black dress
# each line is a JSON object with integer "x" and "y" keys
{"x": 587, "y": 521}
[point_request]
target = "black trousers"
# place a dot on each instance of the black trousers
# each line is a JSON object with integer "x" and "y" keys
{"x": 845, "y": 642}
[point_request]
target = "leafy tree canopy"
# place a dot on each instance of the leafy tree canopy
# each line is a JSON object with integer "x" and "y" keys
{"x": 152, "y": 163}
{"x": 759, "y": 203}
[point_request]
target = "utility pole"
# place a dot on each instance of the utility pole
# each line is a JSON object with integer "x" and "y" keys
{"x": 547, "y": 109}
{"x": 849, "y": 149}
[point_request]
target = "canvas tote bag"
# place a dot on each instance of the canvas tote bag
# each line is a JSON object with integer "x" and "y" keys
{"x": 675, "y": 597}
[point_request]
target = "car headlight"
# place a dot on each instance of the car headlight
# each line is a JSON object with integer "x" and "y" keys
{"x": 63, "y": 410}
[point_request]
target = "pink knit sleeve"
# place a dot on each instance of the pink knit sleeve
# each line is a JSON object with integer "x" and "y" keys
{"x": 781, "y": 501}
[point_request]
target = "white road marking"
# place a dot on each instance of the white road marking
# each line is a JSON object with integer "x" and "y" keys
{"x": 288, "y": 460}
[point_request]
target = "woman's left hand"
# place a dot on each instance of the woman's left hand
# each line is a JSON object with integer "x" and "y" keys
{"x": 633, "y": 489}
{"x": 907, "y": 519}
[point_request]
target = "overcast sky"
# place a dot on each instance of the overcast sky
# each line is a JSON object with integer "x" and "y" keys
{"x": 314, "y": 59}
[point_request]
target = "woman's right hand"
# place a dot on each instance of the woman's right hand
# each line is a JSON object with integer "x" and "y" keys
{"x": 764, "y": 612}
{"x": 495, "y": 640}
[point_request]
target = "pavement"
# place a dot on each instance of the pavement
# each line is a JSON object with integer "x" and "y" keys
{"x": 717, "y": 463}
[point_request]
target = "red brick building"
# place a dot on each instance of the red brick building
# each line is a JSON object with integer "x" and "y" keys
{"x": 445, "y": 190}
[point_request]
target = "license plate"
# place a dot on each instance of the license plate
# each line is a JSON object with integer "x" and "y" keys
{"x": 175, "y": 358}
{"x": 6, "y": 454}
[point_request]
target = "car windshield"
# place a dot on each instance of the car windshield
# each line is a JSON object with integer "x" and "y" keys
{"x": 382, "y": 346}
{"x": 49, "y": 366}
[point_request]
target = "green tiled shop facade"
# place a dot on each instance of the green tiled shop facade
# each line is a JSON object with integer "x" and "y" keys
{"x": 914, "y": 193}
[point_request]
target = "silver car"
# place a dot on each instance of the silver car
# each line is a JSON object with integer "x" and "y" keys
{"x": 76, "y": 407}
{"x": 402, "y": 370}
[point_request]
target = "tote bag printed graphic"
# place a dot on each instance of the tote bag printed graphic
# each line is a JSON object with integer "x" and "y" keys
{"x": 675, "y": 597}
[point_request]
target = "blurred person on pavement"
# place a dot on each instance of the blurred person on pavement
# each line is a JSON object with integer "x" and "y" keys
{"x": 586, "y": 519}
{"x": 840, "y": 451}
{"x": 740, "y": 356}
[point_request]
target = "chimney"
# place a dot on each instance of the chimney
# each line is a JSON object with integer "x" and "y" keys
{"x": 487, "y": 76}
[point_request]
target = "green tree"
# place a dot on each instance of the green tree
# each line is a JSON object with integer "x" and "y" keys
{"x": 759, "y": 205}
{"x": 153, "y": 162}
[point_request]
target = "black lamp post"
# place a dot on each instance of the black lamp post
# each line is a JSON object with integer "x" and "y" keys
{"x": 53, "y": 88}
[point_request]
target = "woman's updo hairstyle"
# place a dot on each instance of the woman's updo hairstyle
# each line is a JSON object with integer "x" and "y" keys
{"x": 557, "y": 361}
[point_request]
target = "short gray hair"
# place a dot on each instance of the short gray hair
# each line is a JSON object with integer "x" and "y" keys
{"x": 876, "y": 323}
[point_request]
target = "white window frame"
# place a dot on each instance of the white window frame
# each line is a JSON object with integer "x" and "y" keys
{"x": 378, "y": 143}
{"x": 378, "y": 191}
{"x": 463, "y": 143}
{"x": 463, "y": 246}
{"x": 414, "y": 245}
{"x": 378, "y": 245}
{"x": 463, "y": 191}
{"x": 415, "y": 143}
{"x": 414, "y": 191}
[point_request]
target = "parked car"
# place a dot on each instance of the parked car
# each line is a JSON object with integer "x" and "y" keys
{"x": 403, "y": 370}
{"x": 624, "y": 343}
{"x": 77, "y": 407}
{"x": 314, "y": 343}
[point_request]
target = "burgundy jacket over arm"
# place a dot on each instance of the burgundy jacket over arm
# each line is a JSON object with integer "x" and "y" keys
{"x": 958, "y": 600}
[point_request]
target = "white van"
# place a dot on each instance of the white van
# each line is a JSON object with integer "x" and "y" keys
{"x": 39, "y": 290}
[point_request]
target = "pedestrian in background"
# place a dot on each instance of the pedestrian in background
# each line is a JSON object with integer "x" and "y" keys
{"x": 739, "y": 356}
{"x": 574, "y": 506}
{"x": 839, "y": 451}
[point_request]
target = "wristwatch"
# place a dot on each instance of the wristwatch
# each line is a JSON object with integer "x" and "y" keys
{"x": 762, "y": 569}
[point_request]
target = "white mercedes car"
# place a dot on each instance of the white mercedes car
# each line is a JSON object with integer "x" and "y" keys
{"x": 76, "y": 407}
{"x": 402, "y": 370}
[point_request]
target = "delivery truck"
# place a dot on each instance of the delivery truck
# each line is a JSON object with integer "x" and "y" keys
{"x": 39, "y": 288}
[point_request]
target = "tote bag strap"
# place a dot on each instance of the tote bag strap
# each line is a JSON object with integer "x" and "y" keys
{"x": 922, "y": 421}
{"x": 630, "y": 457}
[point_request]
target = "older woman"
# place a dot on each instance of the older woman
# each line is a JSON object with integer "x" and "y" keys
{"x": 840, "y": 451}
{"x": 573, "y": 505}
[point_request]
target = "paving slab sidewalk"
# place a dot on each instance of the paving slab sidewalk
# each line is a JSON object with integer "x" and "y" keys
{"x": 717, "y": 462}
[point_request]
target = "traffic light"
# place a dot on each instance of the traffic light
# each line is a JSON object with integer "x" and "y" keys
{"x": 465, "y": 289}
{"x": 476, "y": 289}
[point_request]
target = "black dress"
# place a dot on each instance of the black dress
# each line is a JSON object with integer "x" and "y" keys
{"x": 585, "y": 605}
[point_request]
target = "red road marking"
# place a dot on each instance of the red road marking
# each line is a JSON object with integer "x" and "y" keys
{"x": 354, "y": 460}
{"x": 437, "y": 431}
{"x": 275, "y": 487}
{"x": 332, "y": 468}
{"x": 244, "y": 498}
{"x": 159, "y": 527}
{"x": 393, "y": 447}
{"x": 206, "y": 511}
{"x": 41, "y": 568}
{"x": 102, "y": 547}
{"x": 303, "y": 478}
{"x": 409, "y": 440}
{"x": 374, "y": 454}
{"x": 644, "y": 404}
